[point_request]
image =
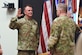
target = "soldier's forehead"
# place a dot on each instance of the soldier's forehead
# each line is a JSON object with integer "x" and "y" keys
{"x": 28, "y": 7}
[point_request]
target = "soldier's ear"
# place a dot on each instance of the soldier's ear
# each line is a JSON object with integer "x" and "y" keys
{"x": 24, "y": 12}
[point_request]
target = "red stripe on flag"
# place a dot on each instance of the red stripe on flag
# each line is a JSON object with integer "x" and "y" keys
{"x": 47, "y": 19}
{"x": 74, "y": 5}
{"x": 42, "y": 40}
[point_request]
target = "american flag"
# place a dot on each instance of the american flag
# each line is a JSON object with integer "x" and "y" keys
{"x": 45, "y": 26}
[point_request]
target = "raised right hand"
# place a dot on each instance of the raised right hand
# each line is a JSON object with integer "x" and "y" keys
{"x": 19, "y": 13}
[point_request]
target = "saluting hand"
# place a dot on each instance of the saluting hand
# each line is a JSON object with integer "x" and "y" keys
{"x": 19, "y": 13}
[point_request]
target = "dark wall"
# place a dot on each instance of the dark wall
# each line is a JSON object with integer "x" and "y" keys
{"x": 37, "y": 8}
{"x": 80, "y": 4}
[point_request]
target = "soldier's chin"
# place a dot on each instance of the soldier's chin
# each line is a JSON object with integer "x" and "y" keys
{"x": 30, "y": 15}
{"x": 57, "y": 15}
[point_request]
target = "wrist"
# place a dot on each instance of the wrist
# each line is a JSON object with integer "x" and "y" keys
{"x": 14, "y": 19}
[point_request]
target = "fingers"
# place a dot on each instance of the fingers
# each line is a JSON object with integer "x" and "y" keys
{"x": 19, "y": 13}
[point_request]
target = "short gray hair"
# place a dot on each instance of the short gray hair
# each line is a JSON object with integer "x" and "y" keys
{"x": 62, "y": 7}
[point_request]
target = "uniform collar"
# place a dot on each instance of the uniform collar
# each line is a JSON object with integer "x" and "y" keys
{"x": 26, "y": 18}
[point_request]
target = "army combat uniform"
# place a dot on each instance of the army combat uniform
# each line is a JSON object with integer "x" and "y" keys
{"x": 27, "y": 35}
{"x": 61, "y": 41}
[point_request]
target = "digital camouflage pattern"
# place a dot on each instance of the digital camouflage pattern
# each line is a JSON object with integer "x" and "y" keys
{"x": 26, "y": 52}
{"x": 61, "y": 41}
{"x": 27, "y": 33}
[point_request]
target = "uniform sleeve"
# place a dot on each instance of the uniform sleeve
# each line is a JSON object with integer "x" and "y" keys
{"x": 13, "y": 23}
{"x": 35, "y": 31}
{"x": 54, "y": 34}
{"x": 38, "y": 35}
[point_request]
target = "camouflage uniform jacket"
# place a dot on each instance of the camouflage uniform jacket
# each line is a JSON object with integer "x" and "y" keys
{"x": 27, "y": 33}
{"x": 61, "y": 41}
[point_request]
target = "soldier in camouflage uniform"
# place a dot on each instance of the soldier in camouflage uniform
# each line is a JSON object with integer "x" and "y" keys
{"x": 27, "y": 31}
{"x": 61, "y": 40}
